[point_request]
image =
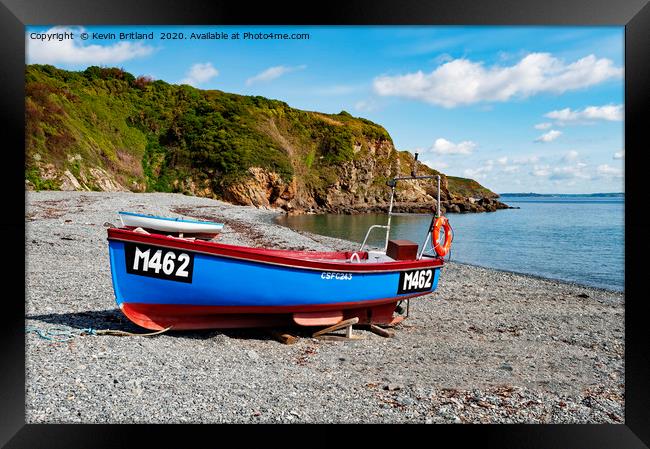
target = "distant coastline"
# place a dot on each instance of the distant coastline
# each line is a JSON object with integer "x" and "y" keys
{"x": 585, "y": 195}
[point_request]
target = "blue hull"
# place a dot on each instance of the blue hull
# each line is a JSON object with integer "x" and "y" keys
{"x": 226, "y": 282}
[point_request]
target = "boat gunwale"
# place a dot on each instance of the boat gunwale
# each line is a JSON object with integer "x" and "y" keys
{"x": 267, "y": 256}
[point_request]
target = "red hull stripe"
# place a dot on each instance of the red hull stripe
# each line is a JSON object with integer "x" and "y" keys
{"x": 286, "y": 258}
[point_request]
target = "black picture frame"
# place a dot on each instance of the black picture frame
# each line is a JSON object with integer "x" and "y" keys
{"x": 16, "y": 14}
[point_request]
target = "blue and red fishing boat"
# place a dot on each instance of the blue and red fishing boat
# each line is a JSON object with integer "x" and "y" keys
{"x": 163, "y": 281}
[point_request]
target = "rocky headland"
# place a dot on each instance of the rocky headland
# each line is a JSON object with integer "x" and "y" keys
{"x": 102, "y": 129}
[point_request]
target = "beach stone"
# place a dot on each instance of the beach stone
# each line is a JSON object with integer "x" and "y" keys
{"x": 405, "y": 400}
{"x": 506, "y": 366}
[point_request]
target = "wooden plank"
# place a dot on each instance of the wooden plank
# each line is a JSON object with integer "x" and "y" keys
{"x": 340, "y": 325}
{"x": 339, "y": 337}
{"x": 286, "y": 339}
{"x": 379, "y": 331}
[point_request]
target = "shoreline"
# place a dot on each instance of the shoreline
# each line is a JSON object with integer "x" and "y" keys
{"x": 487, "y": 347}
{"x": 543, "y": 278}
{"x": 532, "y": 276}
{"x": 535, "y": 276}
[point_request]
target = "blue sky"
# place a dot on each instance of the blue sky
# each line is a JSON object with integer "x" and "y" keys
{"x": 518, "y": 108}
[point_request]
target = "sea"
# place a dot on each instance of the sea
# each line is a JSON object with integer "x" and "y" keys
{"x": 578, "y": 239}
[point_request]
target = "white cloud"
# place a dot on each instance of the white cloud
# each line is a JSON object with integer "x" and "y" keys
{"x": 272, "y": 73}
{"x": 526, "y": 160}
{"x": 436, "y": 165}
{"x": 365, "y": 105}
{"x": 462, "y": 81}
{"x": 543, "y": 126}
{"x": 566, "y": 172}
{"x": 199, "y": 74}
{"x": 612, "y": 113}
{"x": 576, "y": 171}
{"x": 541, "y": 170}
{"x": 570, "y": 156}
{"x": 504, "y": 56}
{"x": 619, "y": 154}
{"x": 444, "y": 146}
{"x": 608, "y": 171}
{"x": 480, "y": 172}
{"x": 73, "y": 51}
{"x": 442, "y": 58}
{"x": 549, "y": 136}
{"x": 507, "y": 165}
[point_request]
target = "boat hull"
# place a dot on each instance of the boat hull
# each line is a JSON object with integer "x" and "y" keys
{"x": 225, "y": 288}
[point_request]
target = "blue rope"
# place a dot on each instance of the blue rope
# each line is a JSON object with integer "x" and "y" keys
{"x": 59, "y": 334}
{"x": 63, "y": 334}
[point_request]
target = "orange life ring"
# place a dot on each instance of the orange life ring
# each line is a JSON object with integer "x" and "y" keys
{"x": 441, "y": 222}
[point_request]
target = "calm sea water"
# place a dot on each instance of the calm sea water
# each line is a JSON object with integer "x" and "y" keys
{"x": 577, "y": 239}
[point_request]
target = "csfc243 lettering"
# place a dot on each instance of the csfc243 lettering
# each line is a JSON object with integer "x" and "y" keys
{"x": 336, "y": 276}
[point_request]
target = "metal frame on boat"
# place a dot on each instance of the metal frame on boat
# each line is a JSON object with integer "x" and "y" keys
{"x": 392, "y": 184}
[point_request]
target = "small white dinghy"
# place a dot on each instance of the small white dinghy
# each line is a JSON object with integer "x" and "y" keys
{"x": 175, "y": 225}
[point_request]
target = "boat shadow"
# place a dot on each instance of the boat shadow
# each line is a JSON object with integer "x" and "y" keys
{"x": 113, "y": 319}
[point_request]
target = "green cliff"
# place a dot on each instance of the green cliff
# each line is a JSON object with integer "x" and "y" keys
{"x": 104, "y": 129}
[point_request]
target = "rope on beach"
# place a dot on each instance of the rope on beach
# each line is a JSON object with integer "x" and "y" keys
{"x": 58, "y": 334}
{"x": 64, "y": 334}
{"x": 119, "y": 333}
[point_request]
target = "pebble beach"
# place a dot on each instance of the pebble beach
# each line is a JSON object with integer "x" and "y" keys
{"x": 487, "y": 346}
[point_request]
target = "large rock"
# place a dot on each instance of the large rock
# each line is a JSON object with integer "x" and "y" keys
{"x": 70, "y": 182}
{"x": 360, "y": 185}
{"x": 105, "y": 181}
{"x": 262, "y": 189}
